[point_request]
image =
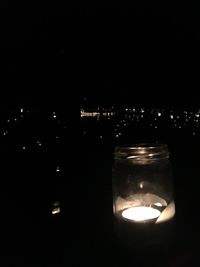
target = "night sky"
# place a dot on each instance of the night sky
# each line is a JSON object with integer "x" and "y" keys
{"x": 145, "y": 54}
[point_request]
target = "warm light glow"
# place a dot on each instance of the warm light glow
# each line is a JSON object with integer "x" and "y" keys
{"x": 139, "y": 214}
{"x": 141, "y": 185}
{"x": 55, "y": 210}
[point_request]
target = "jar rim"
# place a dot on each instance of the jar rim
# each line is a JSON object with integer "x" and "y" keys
{"x": 142, "y": 151}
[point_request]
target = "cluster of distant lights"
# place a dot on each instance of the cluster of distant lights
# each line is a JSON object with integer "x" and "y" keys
{"x": 131, "y": 116}
{"x": 18, "y": 117}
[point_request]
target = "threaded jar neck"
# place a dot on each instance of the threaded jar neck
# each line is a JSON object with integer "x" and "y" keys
{"x": 142, "y": 152}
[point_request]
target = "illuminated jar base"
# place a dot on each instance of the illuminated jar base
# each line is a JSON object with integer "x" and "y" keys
{"x": 146, "y": 208}
{"x": 139, "y": 214}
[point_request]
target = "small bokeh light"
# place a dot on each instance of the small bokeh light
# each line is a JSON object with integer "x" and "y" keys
{"x": 55, "y": 208}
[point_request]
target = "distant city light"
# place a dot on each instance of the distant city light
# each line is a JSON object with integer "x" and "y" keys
{"x": 5, "y": 132}
{"x": 21, "y": 110}
{"x": 23, "y": 147}
{"x": 54, "y": 115}
{"x": 159, "y": 114}
{"x": 57, "y": 169}
{"x": 171, "y": 117}
{"x": 39, "y": 143}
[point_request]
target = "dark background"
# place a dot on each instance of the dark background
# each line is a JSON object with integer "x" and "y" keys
{"x": 144, "y": 55}
{"x": 140, "y": 54}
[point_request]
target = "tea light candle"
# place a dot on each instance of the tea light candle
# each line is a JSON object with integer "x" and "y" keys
{"x": 139, "y": 214}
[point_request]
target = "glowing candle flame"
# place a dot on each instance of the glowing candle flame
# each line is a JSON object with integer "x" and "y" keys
{"x": 142, "y": 213}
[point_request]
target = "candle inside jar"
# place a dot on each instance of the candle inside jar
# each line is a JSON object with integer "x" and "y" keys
{"x": 139, "y": 214}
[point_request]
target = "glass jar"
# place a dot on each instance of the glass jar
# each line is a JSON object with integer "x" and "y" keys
{"x": 143, "y": 201}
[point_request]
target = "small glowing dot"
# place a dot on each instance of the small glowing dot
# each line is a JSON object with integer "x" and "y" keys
{"x": 5, "y": 132}
{"x": 21, "y": 110}
{"x": 141, "y": 185}
{"x": 39, "y": 143}
{"x": 179, "y": 127}
{"x": 117, "y": 135}
{"x": 55, "y": 210}
{"x": 15, "y": 119}
{"x": 57, "y": 137}
{"x": 54, "y": 115}
{"x": 194, "y": 133}
{"x": 159, "y": 114}
{"x": 8, "y": 120}
{"x": 23, "y": 147}
{"x": 100, "y": 136}
{"x": 56, "y": 207}
{"x": 57, "y": 169}
{"x": 156, "y": 127}
{"x": 171, "y": 117}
